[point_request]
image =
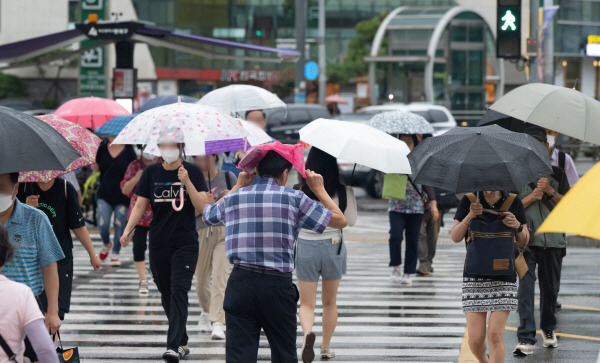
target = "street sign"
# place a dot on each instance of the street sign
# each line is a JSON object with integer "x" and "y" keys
{"x": 508, "y": 29}
{"x": 592, "y": 48}
{"x": 92, "y": 78}
{"x": 311, "y": 71}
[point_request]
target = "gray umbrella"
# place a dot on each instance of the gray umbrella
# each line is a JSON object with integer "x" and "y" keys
{"x": 478, "y": 159}
{"x": 30, "y": 144}
{"x": 400, "y": 122}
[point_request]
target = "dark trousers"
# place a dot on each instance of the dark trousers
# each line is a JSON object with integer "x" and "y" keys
{"x": 173, "y": 270}
{"x": 254, "y": 301}
{"x": 549, "y": 263}
{"x": 399, "y": 223}
{"x": 428, "y": 241}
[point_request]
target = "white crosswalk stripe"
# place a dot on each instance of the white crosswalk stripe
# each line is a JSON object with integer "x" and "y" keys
{"x": 379, "y": 320}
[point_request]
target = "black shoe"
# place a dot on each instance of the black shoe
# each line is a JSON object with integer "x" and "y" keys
{"x": 308, "y": 350}
{"x": 171, "y": 356}
{"x": 558, "y": 306}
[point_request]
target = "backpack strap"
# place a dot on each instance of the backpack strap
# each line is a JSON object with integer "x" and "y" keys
{"x": 562, "y": 159}
{"x": 228, "y": 180}
{"x": 472, "y": 197}
{"x": 9, "y": 353}
{"x": 508, "y": 202}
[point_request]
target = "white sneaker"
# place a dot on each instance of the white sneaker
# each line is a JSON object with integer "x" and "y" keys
{"x": 143, "y": 288}
{"x": 204, "y": 323}
{"x": 550, "y": 340}
{"x": 218, "y": 331}
{"x": 523, "y": 349}
{"x": 406, "y": 280}
{"x": 114, "y": 260}
{"x": 327, "y": 353}
{"x": 395, "y": 276}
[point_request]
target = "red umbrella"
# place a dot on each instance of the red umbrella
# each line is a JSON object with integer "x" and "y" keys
{"x": 91, "y": 112}
{"x": 336, "y": 99}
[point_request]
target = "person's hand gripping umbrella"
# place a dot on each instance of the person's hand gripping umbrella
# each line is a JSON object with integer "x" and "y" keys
{"x": 184, "y": 178}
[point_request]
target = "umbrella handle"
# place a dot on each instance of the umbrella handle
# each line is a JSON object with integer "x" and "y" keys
{"x": 174, "y": 202}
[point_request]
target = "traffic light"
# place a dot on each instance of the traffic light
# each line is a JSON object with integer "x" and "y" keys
{"x": 508, "y": 29}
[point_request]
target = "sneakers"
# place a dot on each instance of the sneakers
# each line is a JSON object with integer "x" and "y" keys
{"x": 523, "y": 349}
{"x": 395, "y": 276}
{"x": 308, "y": 351}
{"x": 143, "y": 288}
{"x": 204, "y": 323}
{"x": 105, "y": 251}
{"x": 406, "y": 280}
{"x": 550, "y": 340}
{"x": 114, "y": 260}
{"x": 171, "y": 356}
{"x": 218, "y": 331}
{"x": 327, "y": 353}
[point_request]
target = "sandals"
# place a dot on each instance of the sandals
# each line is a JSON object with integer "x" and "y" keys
{"x": 171, "y": 356}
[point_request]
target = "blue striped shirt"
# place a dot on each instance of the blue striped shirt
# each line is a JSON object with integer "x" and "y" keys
{"x": 30, "y": 232}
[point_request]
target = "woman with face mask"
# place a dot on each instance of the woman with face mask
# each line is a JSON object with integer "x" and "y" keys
{"x": 131, "y": 179}
{"x": 174, "y": 189}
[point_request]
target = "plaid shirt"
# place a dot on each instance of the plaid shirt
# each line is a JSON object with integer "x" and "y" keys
{"x": 262, "y": 222}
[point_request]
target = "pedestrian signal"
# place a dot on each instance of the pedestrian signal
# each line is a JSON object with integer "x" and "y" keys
{"x": 508, "y": 29}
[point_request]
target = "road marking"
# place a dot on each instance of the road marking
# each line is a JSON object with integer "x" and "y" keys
{"x": 574, "y": 336}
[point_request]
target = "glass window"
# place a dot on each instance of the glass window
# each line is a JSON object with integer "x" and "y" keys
{"x": 475, "y": 67}
{"x": 458, "y": 33}
{"x": 438, "y": 116}
{"x": 459, "y": 67}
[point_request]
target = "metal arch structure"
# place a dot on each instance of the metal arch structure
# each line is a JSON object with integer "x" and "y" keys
{"x": 434, "y": 41}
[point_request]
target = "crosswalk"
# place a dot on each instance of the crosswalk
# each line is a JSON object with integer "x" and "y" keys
{"x": 379, "y": 320}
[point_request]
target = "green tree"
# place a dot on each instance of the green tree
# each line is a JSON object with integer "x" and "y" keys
{"x": 12, "y": 86}
{"x": 359, "y": 47}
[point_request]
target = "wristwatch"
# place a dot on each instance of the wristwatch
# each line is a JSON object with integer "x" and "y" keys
{"x": 553, "y": 193}
{"x": 520, "y": 229}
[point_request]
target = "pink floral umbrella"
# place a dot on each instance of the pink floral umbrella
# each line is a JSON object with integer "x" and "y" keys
{"x": 85, "y": 142}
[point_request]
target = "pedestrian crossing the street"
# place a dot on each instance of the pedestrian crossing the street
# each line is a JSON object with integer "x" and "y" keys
{"x": 379, "y": 320}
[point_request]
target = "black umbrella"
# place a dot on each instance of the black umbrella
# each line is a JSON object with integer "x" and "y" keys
{"x": 478, "y": 159}
{"x": 30, "y": 144}
{"x": 492, "y": 117}
{"x": 165, "y": 100}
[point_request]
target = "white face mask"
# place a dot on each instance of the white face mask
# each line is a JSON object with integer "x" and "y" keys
{"x": 6, "y": 200}
{"x": 148, "y": 156}
{"x": 551, "y": 140}
{"x": 169, "y": 155}
{"x": 489, "y": 191}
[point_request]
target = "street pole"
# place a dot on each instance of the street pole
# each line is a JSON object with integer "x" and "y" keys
{"x": 322, "y": 60}
{"x": 533, "y": 34}
{"x": 299, "y": 82}
{"x": 549, "y": 49}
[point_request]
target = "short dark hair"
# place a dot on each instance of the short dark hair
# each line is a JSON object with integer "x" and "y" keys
{"x": 6, "y": 248}
{"x": 537, "y": 132}
{"x": 264, "y": 115}
{"x": 273, "y": 165}
{"x": 14, "y": 177}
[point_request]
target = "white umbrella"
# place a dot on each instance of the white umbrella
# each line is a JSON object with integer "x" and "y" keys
{"x": 400, "y": 122}
{"x": 241, "y": 98}
{"x": 256, "y": 135}
{"x": 561, "y": 109}
{"x": 359, "y": 144}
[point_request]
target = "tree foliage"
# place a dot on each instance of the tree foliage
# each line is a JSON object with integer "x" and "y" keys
{"x": 359, "y": 47}
{"x": 12, "y": 86}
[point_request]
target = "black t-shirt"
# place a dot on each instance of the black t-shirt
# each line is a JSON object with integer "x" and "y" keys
{"x": 516, "y": 208}
{"x": 112, "y": 172}
{"x": 170, "y": 227}
{"x": 62, "y": 209}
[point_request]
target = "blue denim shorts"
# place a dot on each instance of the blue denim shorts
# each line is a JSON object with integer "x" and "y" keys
{"x": 320, "y": 258}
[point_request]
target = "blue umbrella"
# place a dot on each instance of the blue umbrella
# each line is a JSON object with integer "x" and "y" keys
{"x": 165, "y": 100}
{"x": 113, "y": 126}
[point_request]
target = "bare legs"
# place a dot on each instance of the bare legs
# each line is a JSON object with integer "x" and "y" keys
{"x": 476, "y": 326}
{"x": 308, "y": 301}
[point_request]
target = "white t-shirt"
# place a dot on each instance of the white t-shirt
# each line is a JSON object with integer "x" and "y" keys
{"x": 350, "y": 213}
{"x": 18, "y": 308}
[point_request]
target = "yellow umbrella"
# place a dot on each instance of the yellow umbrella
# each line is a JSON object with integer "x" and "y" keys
{"x": 578, "y": 211}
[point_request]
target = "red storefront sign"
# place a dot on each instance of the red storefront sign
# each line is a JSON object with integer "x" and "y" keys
{"x": 226, "y": 75}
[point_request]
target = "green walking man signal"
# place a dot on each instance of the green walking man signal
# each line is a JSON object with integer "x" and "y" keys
{"x": 509, "y": 21}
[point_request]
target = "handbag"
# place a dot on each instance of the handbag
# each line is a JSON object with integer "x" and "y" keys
{"x": 445, "y": 199}
{"x": 521, "y": 264}
{"x": 394, "y": 186}
{"x": 69, "y": 355}
{"x": 491, "y": 246}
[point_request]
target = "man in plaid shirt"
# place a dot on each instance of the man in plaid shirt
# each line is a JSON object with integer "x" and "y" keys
{"x": 262, "y": 222}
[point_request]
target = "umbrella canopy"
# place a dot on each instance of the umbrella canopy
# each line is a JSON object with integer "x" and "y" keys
{"x": 492, "y": 117}
{"x": 359, "y": 144}
{"x": 85, "y": 142}
{"x": 256, "y": 135}
{"x": 115, "y": 125}
{"x": 478, "y": 159}
{"x": 577, "y": 212}
{"x": 237, "y": 98}
{"x": 204, "y": 130}
{"x": 561, "y": 109}
{"x": 165, "y": 100}
{"x": 27, "y": 143}
{"x": 400, "y": 122}
{"x": 336, "y": 99}
{"x": 90, "y": 112}
{"x": 292, "y": 153}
